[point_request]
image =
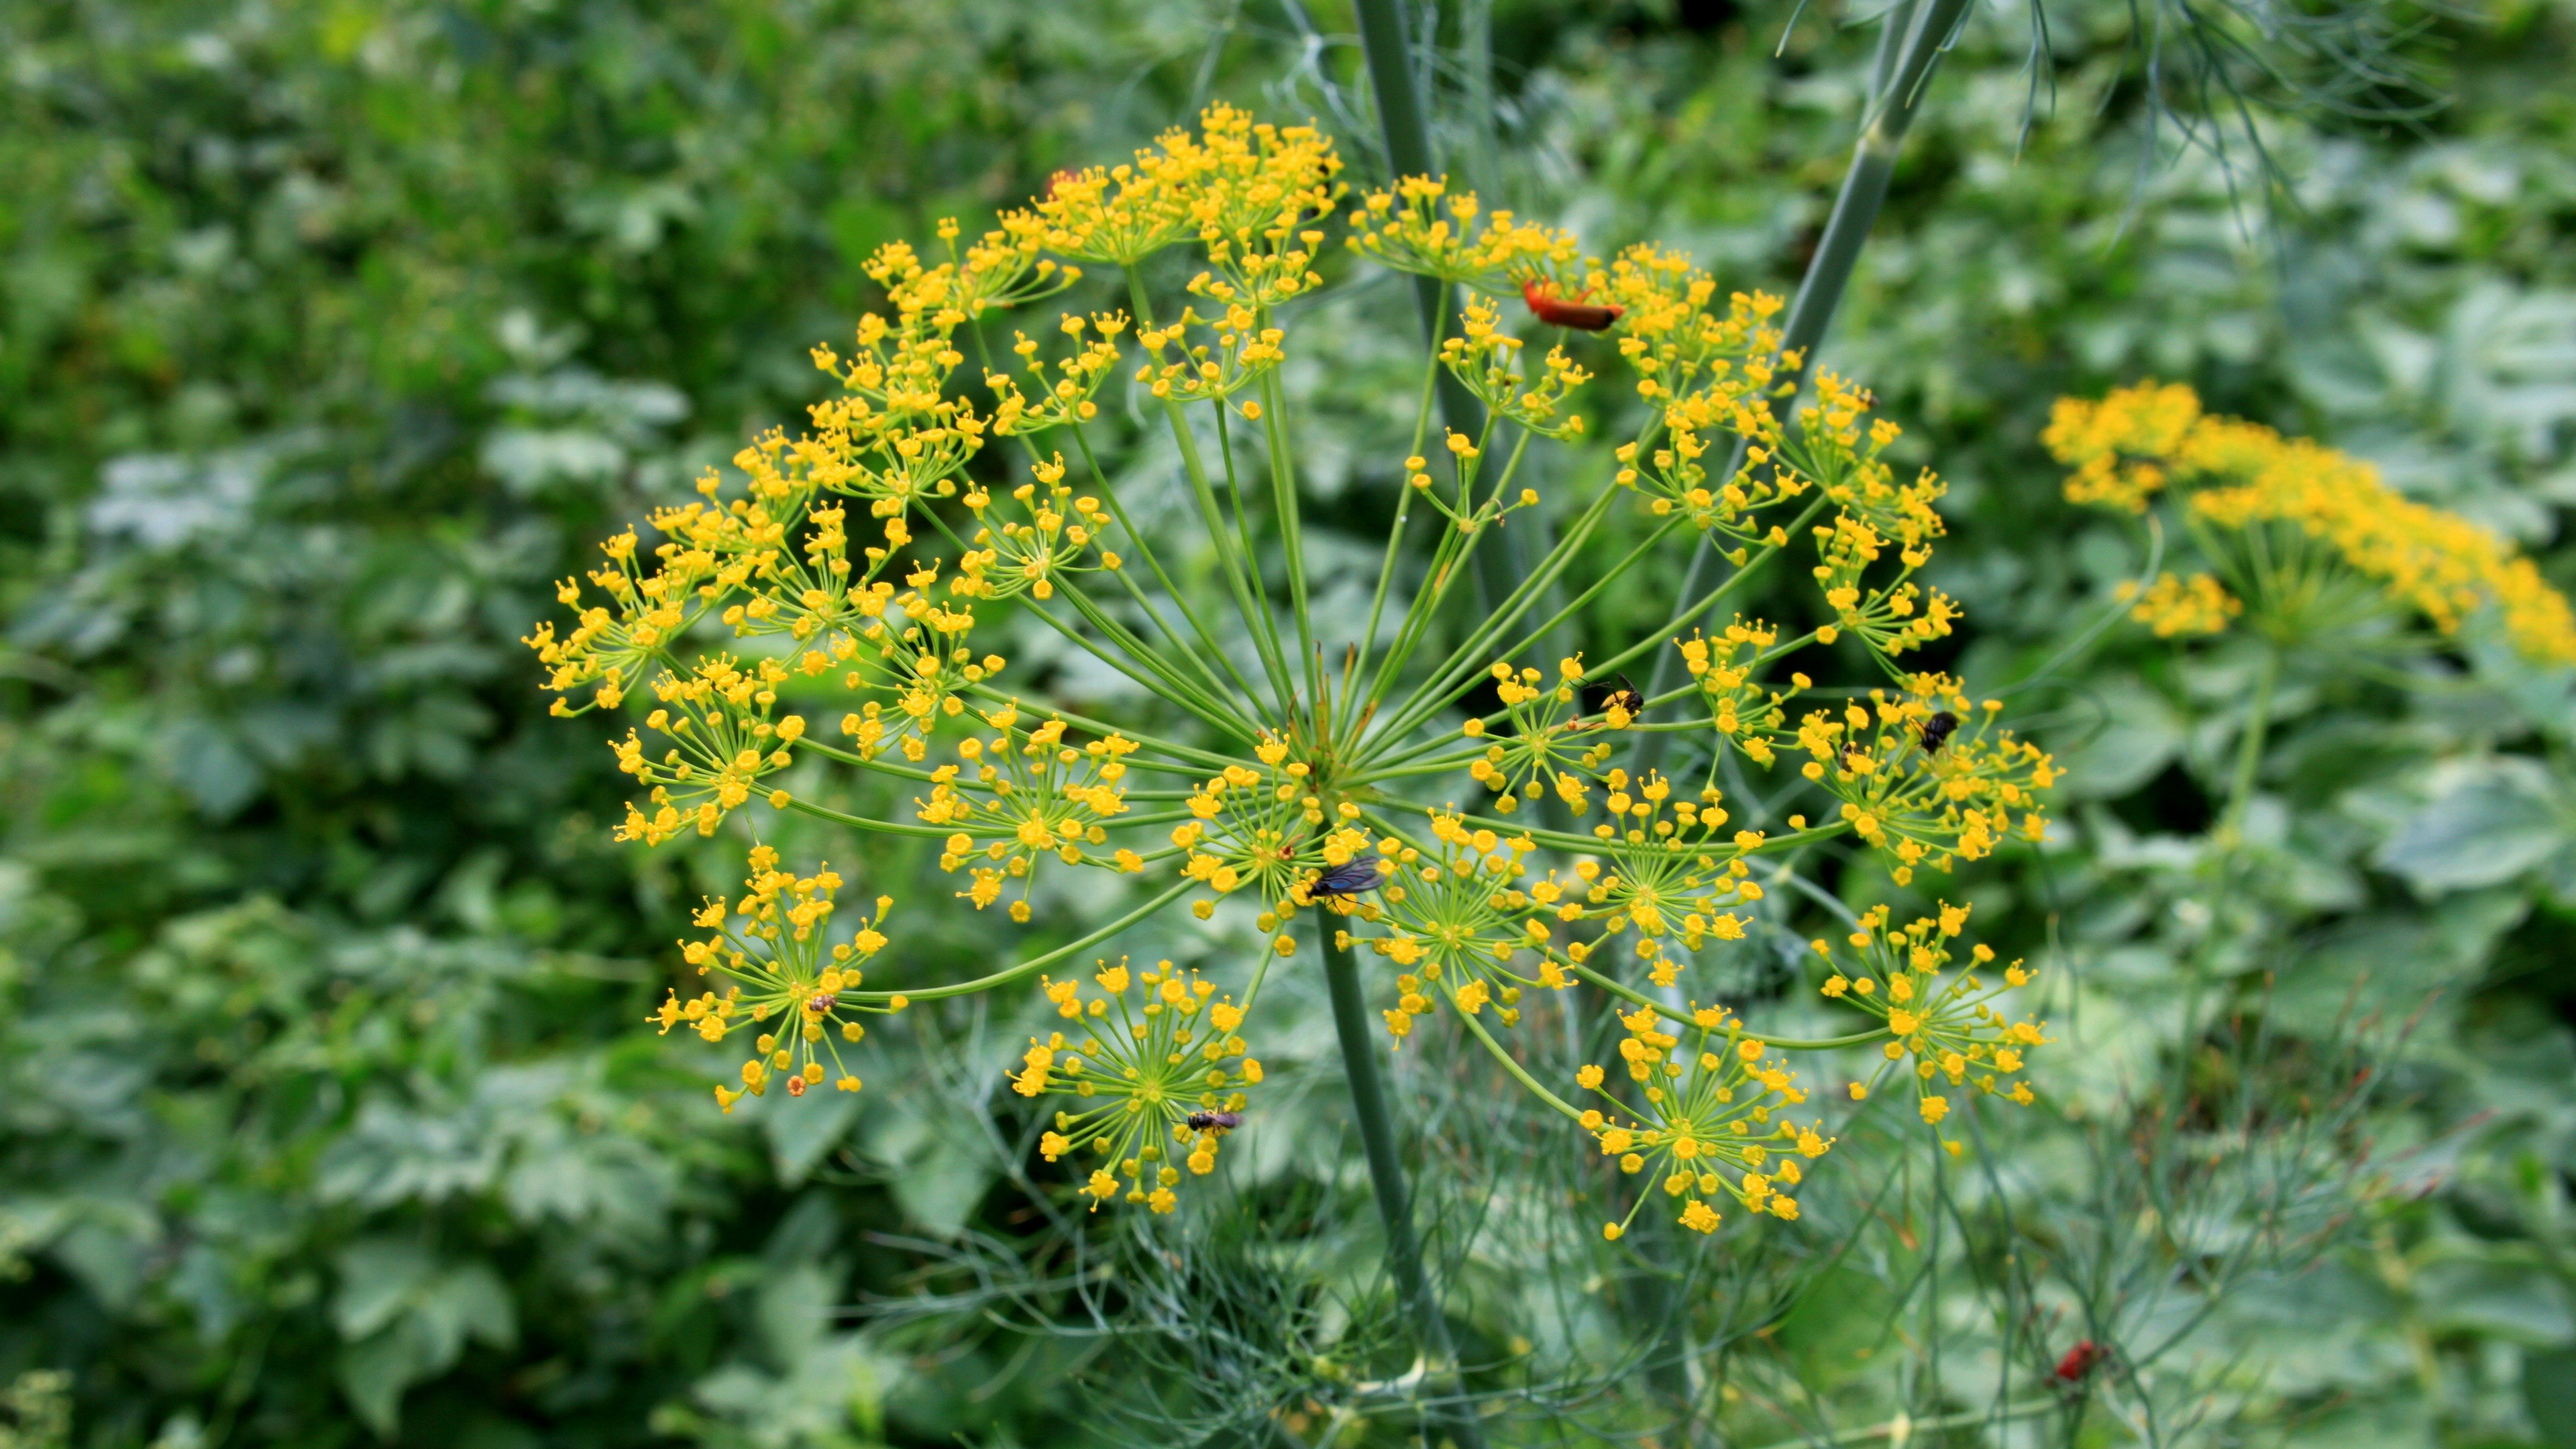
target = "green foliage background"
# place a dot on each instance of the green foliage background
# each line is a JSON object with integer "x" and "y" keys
{"x": 330, "y": 333}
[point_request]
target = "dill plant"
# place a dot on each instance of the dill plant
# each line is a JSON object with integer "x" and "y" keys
{"x": 1358, "y": 791}
{"x": 2324, "y": 564}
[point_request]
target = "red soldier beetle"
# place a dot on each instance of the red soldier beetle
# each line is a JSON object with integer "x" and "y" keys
{"x": 1558, "y": 311}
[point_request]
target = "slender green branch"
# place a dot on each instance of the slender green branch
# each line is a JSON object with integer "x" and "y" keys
{"x": 1394, "y": 537}
{"x": 1403, "y": 125}
{"x": 1457, "y": 544}
{"x": 1145, "y": 550}
{"x": 1205, "y": 759}
{"x": 803, "y": 806}
{"x": 1457, "y": 674}
{"x": 1173, "y": 688}
{"x": 1902, "y": 1429}
{"x": 1241, "y": 573}
{"x": 1519, "y": 1073}
{"x": 1553, "y": 839}
{"x": 2119, "y": 609}
{"x": 2249, "y": 750}
{"x": 879, "y": 765}
{"x": 1248, "y": 699}
{"x": 1292, "y": 535}
{"x": 1009, "y": 974}
{"x": 1163, "y": 681}
{"x": 1690, "y": 613}
{"x": 1244, "y": 582}
{"x": 1635, "y": 997}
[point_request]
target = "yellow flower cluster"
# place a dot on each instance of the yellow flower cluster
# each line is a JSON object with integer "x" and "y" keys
{"x": 1712, "y": 376}
{"x": 1419, "y": 226}
{"x": 1743, "y": 712}
{"x": 1483, "y": 356}
{"x": 1168, "y": 1084}
{"x": 1681, "y": 346}
{"x": 1267, "y": 828}
{"x": 2176, "y": 607}
{"x": 1952, "y": 1031}
{"x": 2138, "y": 441}
{"x": 769, "y": 949}
{"x": 724, "y": 741}
{"x": 1078, "y": 377}
{"x": 1875, "y": 513}
{"x": 1021, "y": 796}
{"x": 836, "y": 572}
{"x": 1239, "y": 187}
{"x": 1671, "y": 875}
{"x": 1704, "y": 1107}
{"x": 1538, "y": 751}
{"x": 1026, "y": 544}
{"x": 1453, "y": 916}
{"x": 1923, "y": 775}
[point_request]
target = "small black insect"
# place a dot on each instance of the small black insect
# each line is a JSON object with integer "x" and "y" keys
{"x": 1625, "y": 697}
{"x": 1936, "y": 731}
{"x": 1215, "y": 1121}
{"x": 820, "y": 1002}
{"x": 1347, "y": 879}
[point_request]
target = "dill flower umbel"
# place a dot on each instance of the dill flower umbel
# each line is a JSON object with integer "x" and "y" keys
{"x": 2332, "y": 514}
{"x": 1705, "y": 1106}
{"x": 768, "y": 950}
{"x": 2175, "y": 607}
{"x": 1952, "y": 1031}
{"x": 1168, "y": 1084}
{"x": 1442, "y": 790}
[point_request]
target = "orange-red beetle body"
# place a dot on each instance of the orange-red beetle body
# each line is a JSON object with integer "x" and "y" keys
{"x": 2079, "y": 1360}
{"x": 1556, "y": 311}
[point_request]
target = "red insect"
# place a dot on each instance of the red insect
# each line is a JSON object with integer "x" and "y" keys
{"x": 2079, "y": 1361}
{"x": 1558, "y": 311}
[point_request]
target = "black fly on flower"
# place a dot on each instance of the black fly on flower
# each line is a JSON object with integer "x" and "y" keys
{"x": 1350, "y": 878}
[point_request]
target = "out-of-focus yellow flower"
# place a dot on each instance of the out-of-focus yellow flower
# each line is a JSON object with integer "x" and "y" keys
{"x": 2240, "y": 476}
{"x": 2179, "y": 608}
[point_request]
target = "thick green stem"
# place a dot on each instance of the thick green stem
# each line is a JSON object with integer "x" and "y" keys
{"x": 1927, "y": 24}
{"x": 2249, "y": 751}
{"x": 2220, "y": 865}
{"x": 1386, "y": 1178}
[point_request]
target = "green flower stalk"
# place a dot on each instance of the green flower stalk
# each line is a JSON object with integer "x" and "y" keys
{"x": 1348, "y": 787}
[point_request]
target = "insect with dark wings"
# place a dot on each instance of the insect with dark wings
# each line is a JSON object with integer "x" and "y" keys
{"x": 1353, "y": 876}
{"x": 1219, "y": 1122}
{"x": 1936, "y": 731}
{"x": 1626, "y": 698}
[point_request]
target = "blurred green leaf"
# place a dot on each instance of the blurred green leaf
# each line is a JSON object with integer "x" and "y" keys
{"x": 2489, "y": 821}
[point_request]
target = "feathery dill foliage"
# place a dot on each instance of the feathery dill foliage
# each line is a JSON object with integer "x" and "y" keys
{"x": 1316, "y": 775}
{"x": 2309, "y": 536}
